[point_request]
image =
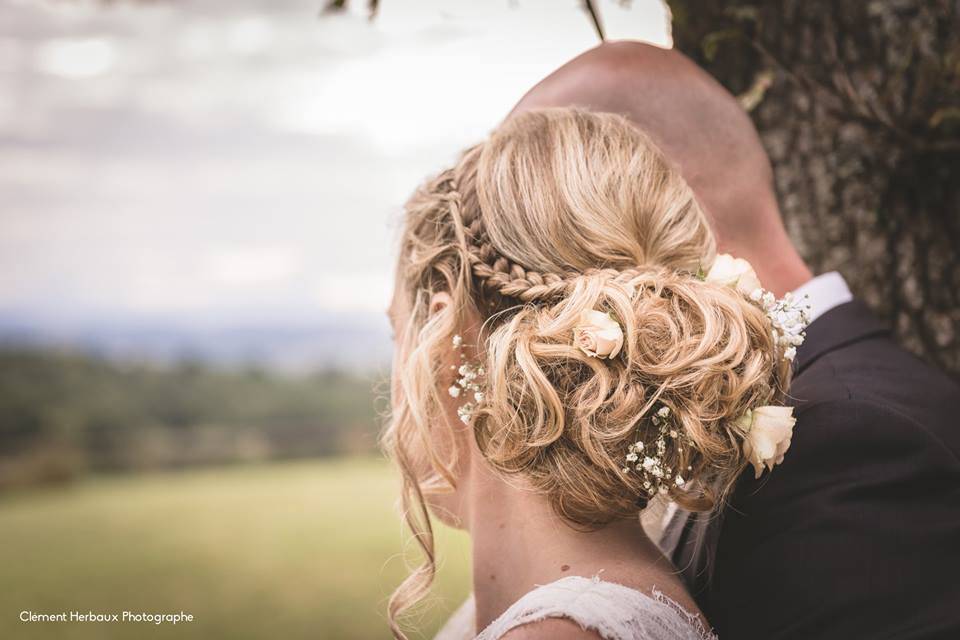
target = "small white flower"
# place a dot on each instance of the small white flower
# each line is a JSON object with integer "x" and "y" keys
{"x": 679, "y": 481}
{"x": 788, "y": 320}
{"x": 734, "y": 272}
{"x": 454, "y": 391}
{"x": 457, "y": 340}
{"x": 598, "y": 335}
{"x": 768, "y": 434}
{"x": 465, "y": 412}
{"x": 663, "y": 412}
{"x": 632, "y": 457}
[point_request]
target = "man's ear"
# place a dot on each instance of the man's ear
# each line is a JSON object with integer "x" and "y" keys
{"x": 440, "y": 301}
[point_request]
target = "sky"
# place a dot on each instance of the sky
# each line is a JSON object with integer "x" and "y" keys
{"x": 246, "y": 161}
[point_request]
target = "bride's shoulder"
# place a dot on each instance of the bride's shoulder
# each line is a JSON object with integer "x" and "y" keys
{"x": 579, "y": 608}
{"x": 551, "y": 629}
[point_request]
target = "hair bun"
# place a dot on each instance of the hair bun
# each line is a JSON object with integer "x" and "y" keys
{"x": 699, "y": 351}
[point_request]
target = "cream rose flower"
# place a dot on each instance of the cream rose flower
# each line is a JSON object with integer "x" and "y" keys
{"x": 733, "y": 272}
{"x": 769, "y": 430}
{"x": 598, "y": 335}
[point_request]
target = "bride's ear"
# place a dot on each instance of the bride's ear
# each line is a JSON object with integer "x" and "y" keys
{"x": 439, "y": 301}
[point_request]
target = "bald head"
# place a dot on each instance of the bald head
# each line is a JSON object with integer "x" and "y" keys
{"x": 700, "y": 127}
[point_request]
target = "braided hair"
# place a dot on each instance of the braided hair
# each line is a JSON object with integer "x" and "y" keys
{"x": 498, "y": 277}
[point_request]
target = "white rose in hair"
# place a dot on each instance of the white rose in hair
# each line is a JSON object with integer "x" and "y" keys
{"x": 769, "y": 430}
{"x": 733, "y": 272}
{"x": 598, "y": 335}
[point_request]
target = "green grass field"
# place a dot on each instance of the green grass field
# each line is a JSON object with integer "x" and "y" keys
{"x": 285, "y": 550}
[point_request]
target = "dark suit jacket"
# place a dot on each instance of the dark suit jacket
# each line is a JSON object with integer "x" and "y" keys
{"x": 857, "y": 533}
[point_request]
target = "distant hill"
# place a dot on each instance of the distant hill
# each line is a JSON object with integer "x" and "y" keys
{"x": 64, "y": 412}
{"x": 355, "y": 342}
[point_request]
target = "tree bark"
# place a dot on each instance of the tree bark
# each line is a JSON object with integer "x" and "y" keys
{"x": 858, "y": 106}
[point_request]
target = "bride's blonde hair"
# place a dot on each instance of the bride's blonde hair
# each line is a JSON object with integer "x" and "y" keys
{"x": 561, "y": 211}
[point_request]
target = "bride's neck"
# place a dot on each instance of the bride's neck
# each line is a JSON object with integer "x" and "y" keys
{"x": 519, "y": 543}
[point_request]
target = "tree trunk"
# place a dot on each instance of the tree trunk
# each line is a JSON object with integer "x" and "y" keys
{"x": 858, "y": 105}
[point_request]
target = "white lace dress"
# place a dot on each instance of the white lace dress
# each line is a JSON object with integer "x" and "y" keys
{"x": 613, "y": 611}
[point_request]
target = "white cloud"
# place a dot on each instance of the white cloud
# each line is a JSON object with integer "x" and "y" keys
{"x": 233, "y": 157}
{"x": 354, "y": 291}
{"x": 252, "y": 266}
{"x": 76, "y": 58}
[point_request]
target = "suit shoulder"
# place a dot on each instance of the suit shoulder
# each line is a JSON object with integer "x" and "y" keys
{"x": 875, "y": 368}
{"x": 848, "y": 425}
{"x": 883, "y": 396}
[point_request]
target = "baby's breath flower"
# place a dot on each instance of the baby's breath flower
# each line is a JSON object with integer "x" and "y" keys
{"x": 788, "y": 319}
{"x": 469, "y": 381}
{"x": 650, "y": 459}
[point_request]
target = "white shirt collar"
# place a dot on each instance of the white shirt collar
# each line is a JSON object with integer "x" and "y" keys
{"x": 826, "y": 291}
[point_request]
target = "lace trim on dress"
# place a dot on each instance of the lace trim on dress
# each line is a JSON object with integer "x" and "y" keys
{"x": 614, "y": 611}
{"x": 692, "y": 619}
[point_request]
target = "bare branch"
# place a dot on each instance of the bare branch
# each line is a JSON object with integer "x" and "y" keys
{"x": 595, "y": 17}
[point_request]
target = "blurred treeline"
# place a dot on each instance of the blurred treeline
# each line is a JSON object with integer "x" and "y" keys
{"x": 65, "y": 413}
